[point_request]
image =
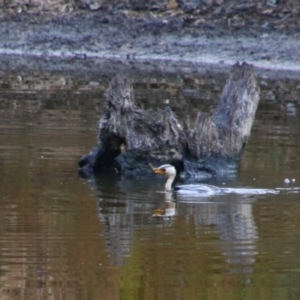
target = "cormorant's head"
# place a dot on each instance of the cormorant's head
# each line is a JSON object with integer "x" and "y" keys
{"x": 166, "y": 169}
{"x": 171, "y": 169}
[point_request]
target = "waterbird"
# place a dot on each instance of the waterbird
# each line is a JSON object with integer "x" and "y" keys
{"x": 170, "y": 171}
{"x": 202, "y": 189}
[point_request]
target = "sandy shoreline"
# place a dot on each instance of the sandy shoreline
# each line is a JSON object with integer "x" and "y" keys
{"x": 228, "y": 57}
{"x": 85, "y": 36}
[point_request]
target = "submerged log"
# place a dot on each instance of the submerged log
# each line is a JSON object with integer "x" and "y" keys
{"x": 130, "y": 138}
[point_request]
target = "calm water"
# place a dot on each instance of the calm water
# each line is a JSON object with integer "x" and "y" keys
{"x": 62, "y": 237}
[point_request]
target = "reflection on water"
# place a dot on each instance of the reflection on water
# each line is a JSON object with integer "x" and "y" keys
{"x": 62, "y": 237}
{"x": 237, "y": 228}
{"x": 231, "y": 219}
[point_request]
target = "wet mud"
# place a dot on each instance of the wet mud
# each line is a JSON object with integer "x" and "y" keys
{"x": 264, "y": 33}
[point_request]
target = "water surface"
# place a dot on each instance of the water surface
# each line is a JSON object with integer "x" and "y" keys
{"x": 63, "y": 237}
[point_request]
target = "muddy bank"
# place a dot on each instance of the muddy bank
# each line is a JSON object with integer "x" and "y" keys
{"x": 265, "y": 33}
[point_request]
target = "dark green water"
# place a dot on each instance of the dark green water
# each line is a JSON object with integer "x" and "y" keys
{"x": 62, "y": 237}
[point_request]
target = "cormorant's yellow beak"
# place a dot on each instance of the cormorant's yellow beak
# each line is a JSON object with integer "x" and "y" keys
{"x": 158, "y": 170}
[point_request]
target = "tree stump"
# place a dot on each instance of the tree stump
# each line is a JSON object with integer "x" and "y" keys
{"x": 130, "y": 138}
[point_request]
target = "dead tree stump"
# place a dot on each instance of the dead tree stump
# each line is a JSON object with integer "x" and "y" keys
{"x": 130, "y": 138}
{"x": 220, "y": 139}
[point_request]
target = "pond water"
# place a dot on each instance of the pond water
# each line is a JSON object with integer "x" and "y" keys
{"x": 63, "y": 237}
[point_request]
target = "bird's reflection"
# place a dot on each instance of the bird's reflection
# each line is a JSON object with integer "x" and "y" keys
{"x": 125, "y": 208}
{"x": 167, "y": 209}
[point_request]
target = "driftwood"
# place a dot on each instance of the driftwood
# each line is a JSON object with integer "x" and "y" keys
{"x": 130, "y": 138}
